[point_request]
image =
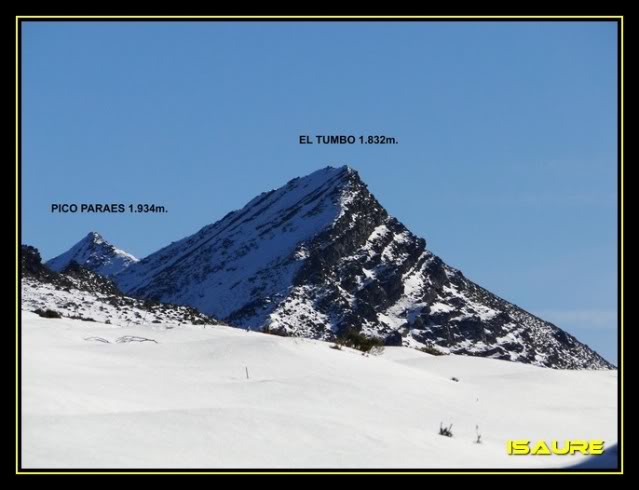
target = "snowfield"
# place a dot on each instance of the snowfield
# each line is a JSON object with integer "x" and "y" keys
{"x": 184, "y": 401}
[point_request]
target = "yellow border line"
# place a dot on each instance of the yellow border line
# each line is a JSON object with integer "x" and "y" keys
{"x": 383, "y": 17}
{"x": 390, "y": 17}
{"x": 17, "y": 246}
{"x": 316, "y": 472}
{"x": 249, "y": 472}
{"x": 620, "y": 129}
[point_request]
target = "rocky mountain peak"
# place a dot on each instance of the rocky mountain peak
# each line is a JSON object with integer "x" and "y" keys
{"x": 94, "y": 238}
{"x": 320, "y": 257}
{"x": 95, "y": 253}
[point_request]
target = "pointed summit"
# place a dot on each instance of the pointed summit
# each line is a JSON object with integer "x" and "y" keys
{"x": 94, "y": 237}
{"x": 96, "y": 254}
{"x": 320, "y": 257}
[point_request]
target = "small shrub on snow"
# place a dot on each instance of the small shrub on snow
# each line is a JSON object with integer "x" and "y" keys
{"x": 359, "y": 341}
{"x": 446, "y": 431}
{"x": 82, "y": 318}
{"x": 280, "y": 332}
{"x": 377, "y": 350}
{"x": 47, "y": 313}
{"x": 478, "y": 440}
{"x": 432, "y": 350}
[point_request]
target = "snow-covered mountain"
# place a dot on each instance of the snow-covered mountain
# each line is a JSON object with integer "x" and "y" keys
{"x": 96, "y": 254}
{"x": 320, "y": 257}
{"x": 80, "y": 293}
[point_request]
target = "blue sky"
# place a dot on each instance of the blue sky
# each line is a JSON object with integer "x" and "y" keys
{"x": 506, "y": 161}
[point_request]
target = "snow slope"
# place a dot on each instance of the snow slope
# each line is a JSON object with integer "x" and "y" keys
{"x": 96, "y": 254}
{"x": 186, "y": 402}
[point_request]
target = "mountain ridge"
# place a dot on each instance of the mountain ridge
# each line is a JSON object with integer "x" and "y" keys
{"x": 320, "y": 256}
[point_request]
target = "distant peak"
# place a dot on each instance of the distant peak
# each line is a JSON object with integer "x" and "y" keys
{"x": 329, "y": 172}
{"x": 350, "y": 170}
{"x": 347, "y": 170}
{"x": 94, "y": 236}
{"x": 342, "y": 168}
{"x": 94, "y": 253}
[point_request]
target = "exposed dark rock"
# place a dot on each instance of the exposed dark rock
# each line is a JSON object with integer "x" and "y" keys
{"x": 31, "y": 266}
{"x": 87, "y": 280}
{"x": 393, "y": 339}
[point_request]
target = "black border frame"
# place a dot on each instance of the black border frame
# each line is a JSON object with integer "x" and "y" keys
{"x": 618, "y": 19}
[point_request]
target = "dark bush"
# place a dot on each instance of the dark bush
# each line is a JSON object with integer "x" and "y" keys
{"x": 279, "y": 331}
{"x": 358, "y": 341}
{"x": 47, "y": 313}
{"x": 432, "y": 350}
{"x": 82, "y": 318}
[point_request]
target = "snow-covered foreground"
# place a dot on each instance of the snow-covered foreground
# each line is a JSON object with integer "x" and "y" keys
{"x": 186, "y": 402}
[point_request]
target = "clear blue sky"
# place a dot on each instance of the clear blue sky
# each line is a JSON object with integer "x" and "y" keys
{"x": 506, "y": 161}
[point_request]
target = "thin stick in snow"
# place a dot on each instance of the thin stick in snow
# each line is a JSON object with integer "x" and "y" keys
{"x": 247, "y": 376}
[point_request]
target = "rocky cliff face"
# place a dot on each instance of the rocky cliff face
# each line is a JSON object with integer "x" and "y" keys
{"x": 320, "y": 256}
